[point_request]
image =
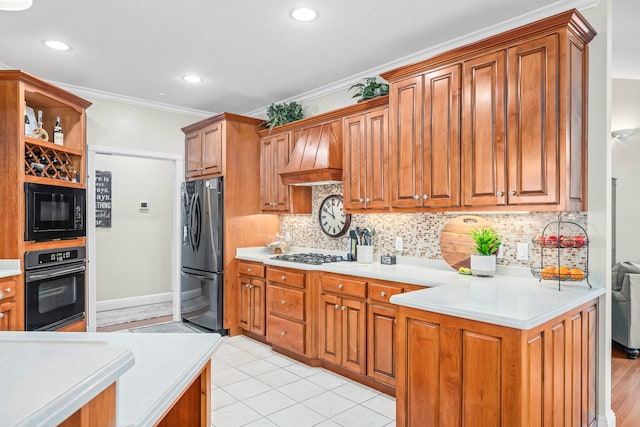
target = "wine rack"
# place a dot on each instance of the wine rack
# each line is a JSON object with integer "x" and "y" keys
{"x": 50, "y": 161}
{"x": 576, "y": 238}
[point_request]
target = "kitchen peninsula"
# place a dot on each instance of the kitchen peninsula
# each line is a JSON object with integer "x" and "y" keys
{"x": 53, "y": 378}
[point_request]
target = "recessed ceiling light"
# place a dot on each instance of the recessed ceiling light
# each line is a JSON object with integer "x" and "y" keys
{"x": 15, "y": 4}
{"x": 192, "y": 78}
{"x": 303, "y": 14}
{"x": 56, "y": 45}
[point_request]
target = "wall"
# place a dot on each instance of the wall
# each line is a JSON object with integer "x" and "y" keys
{"x": 133, "y": 257}
{"x": 625, "y": 114}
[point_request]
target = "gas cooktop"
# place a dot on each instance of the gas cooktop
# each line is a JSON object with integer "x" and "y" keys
{"x": 309, "y": 258}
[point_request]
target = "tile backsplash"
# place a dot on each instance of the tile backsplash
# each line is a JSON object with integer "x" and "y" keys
{"x": 420, "y": 232}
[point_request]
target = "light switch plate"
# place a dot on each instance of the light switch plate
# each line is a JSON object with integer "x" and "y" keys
{"x": 398, "y": 243}
{"x": 523, "y": 252}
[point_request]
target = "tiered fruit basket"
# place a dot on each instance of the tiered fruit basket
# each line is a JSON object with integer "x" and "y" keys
{"x": 559, "y": 236}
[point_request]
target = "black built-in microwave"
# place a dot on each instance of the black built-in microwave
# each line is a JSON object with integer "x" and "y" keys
{"x": 54, "y": 212}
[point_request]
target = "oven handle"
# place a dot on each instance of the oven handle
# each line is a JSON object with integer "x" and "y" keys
{"x": 33, "y": 276}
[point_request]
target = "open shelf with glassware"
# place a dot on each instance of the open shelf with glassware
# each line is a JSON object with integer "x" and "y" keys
{"x": 566, "y": 240}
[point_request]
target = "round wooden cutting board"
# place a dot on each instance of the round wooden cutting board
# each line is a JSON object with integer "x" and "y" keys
{"x": 456, "y": 244}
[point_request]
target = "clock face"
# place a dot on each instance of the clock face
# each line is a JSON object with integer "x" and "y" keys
{"x": 333, "y": 221}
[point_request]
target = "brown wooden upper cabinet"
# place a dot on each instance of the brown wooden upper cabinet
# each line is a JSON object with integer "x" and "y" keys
{"x": 275, "y": 196}
{"x": 500, "y": 123}
{"x": 366, "y": 160}
{"x": 205, "y": 142}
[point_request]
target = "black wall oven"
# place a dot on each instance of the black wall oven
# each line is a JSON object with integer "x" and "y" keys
{"x": 54, "y": 212}
{"x": 54, "y": 287}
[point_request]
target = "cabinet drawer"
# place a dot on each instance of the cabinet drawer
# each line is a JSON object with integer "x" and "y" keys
{"x": 286, "y": 277}
{"x": 285, "y": 333}
{"x": 285, "y": 302}
{"x": 251, "y": 269}
{"x": 7, "y": 289}
{"x": 340, "y": 285}
{"x": 382, "y": 293}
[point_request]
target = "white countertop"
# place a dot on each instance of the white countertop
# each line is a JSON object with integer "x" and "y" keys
{"x": 9, "y": 267}
{"x": 512, "y": 298}
{"x": 165, "y": 364}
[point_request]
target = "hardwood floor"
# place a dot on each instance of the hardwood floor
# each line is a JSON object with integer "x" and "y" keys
{"x": 135, "y": 324}
{"x": 625, "y": 388}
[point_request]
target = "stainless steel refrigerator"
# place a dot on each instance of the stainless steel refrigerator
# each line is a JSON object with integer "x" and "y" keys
{"x": 201, "y": 282}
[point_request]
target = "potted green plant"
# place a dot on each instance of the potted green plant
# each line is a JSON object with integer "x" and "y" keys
{"x": 369, "y": 88}
{"x": 483, "y": 263}
{"x": 280, "y": 114}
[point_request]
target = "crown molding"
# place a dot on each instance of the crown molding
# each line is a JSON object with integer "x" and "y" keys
{"x": 347, "y": 82}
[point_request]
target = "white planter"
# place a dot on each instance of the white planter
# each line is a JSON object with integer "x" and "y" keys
{"x": 483, "y": 265}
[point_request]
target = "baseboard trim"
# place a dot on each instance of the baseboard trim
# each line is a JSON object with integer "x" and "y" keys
{"x": 608, "y": 419}
{"x": 117, "y": 304}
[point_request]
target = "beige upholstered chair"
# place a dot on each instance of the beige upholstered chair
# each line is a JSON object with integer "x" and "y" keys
{"x": 625, "y": 306}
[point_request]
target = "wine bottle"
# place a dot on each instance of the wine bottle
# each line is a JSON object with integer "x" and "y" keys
{"x": 27, "y": 123}
{"x": 58, "y": 135}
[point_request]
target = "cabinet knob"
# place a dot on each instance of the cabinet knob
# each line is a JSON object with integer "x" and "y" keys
{"x": 415, "y": 196}
{"x": 512, "y": 193}
{"x": 340, "y": 286}
{"x": 383, "y": 294}
{"x": 337, "y": 306}
{"x": 7, "y": 290}
{"x": 425, "y": 197}
{"x": 283, "y": 302}
{"x": 499, "y": 193}
{"x": 367, "y": 200}
{"x": 344, "y": 308}
{"x": 250, "y": 286}
{"x": 248, "y": 270}
{"x": 283, "y": 333}
{"x": 1, "y": 315}
{"x": 361, "y": 200}
{"x": 283, "y": 277}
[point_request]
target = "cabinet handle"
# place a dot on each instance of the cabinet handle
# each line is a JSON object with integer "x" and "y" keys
{"x": 499, "y": 194}
{"x": 283, "y": 277}
{"x": 415, "y": 196}
{"x": 344, "y": 308}
{"x": 283, "y": 302}
{"x": 340, "y": 286}
{"x": 425, "y": 197}
{"x": 512, "y": 193}
{"x": 337, "y": 306}
{"x": 383, "y": 294}
{"x": 283, "y": 333}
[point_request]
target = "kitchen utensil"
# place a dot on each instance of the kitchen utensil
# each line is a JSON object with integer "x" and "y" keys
{"x": 456, "y": 244}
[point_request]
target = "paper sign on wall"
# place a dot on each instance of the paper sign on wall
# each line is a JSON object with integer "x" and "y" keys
{"x": 103, "y": 199}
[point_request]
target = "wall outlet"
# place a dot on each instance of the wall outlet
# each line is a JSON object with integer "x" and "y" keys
{"x": 398, "y": 243}
{"x": 523, "y": 252}
{"x": 500, "y": 253}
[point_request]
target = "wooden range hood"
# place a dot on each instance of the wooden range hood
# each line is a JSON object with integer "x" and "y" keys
{"x": 317, "y": 156}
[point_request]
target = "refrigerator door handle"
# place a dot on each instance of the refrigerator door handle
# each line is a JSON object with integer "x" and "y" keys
{"x": 197, "y": 276}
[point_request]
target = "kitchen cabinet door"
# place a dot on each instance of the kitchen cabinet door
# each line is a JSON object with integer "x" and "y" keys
{"x": 405, "y": 144}
{"x": 212, "y": 137}
{"x": 8, "y": 316}
{"x": 274, "y": 159}
{"x": 193, "y": 148}
{"x": 532, "y": 128}
{"x": 330, "y": 328}
{"x": 251, "y": 305}
{"x": 354, "y": 335}
{"x": 366, "y": 154}
{"x": 484, "y": 131}
{"x": 381, "y": 343}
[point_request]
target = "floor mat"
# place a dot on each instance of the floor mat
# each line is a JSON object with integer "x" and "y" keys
{"x": 170, "y": 327}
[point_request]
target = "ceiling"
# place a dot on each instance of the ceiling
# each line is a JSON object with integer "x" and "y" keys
{"x": 250, "y": 52}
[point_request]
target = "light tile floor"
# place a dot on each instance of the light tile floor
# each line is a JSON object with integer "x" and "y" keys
{"x": 254, "y": 386}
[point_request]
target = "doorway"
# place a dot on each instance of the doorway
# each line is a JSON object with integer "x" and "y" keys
{"x": 135, "y": 261}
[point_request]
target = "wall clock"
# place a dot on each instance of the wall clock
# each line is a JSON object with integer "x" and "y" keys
{"x": 331, "y": 217}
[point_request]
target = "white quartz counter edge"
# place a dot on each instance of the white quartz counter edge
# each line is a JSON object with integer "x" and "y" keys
{"x": 513, "y": 305}
{"x": 9, "y": 267}
{"x": 67, "y": 394}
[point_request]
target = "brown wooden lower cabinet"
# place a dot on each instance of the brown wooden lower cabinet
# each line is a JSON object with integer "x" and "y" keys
{"x": 458, "y": 372}
{"x": 381, "y": 343}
